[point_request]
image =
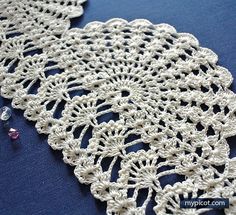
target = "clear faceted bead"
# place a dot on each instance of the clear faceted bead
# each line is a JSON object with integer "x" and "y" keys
{"x": 13, "y": 133}
{"x": 5, "y": 113}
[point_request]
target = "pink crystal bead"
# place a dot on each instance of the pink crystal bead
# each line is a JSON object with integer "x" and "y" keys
{"x": 13, "y": 133}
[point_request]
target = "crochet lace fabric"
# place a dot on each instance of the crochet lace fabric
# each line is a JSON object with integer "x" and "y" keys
{"x": 128, "y": 103}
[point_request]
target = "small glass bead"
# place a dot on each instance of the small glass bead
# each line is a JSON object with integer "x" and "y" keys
{"x": 13, "y": 133}
{"x": 5, "y": 113}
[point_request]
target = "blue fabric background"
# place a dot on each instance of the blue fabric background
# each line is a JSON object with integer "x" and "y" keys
{"x": 33, "y": 178}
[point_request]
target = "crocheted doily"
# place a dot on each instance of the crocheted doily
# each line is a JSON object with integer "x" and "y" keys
{"x": 129, "y": 104}
{"x": 38, "y": 16}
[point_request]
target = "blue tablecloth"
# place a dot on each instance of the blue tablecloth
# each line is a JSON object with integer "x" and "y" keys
{"x": 33, "y": 178}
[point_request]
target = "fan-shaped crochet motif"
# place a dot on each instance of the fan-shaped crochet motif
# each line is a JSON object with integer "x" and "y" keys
{"x": 152, "y": 102}
{"x": 38, "y": 16}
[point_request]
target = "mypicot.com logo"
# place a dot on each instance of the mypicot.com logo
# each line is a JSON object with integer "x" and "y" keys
{"x": 216, "y": 203}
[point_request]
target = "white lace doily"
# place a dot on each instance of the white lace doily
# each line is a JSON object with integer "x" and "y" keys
{"x": 134, "y": 98}
{"x": 38, "y": 16}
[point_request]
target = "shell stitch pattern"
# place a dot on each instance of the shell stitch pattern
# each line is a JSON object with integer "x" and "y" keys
{"x": 153, "y": 102}
{"x": 38, "y": 16}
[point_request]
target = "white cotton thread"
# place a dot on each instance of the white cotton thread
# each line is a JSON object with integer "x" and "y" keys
{"x": 163, "y": 89}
